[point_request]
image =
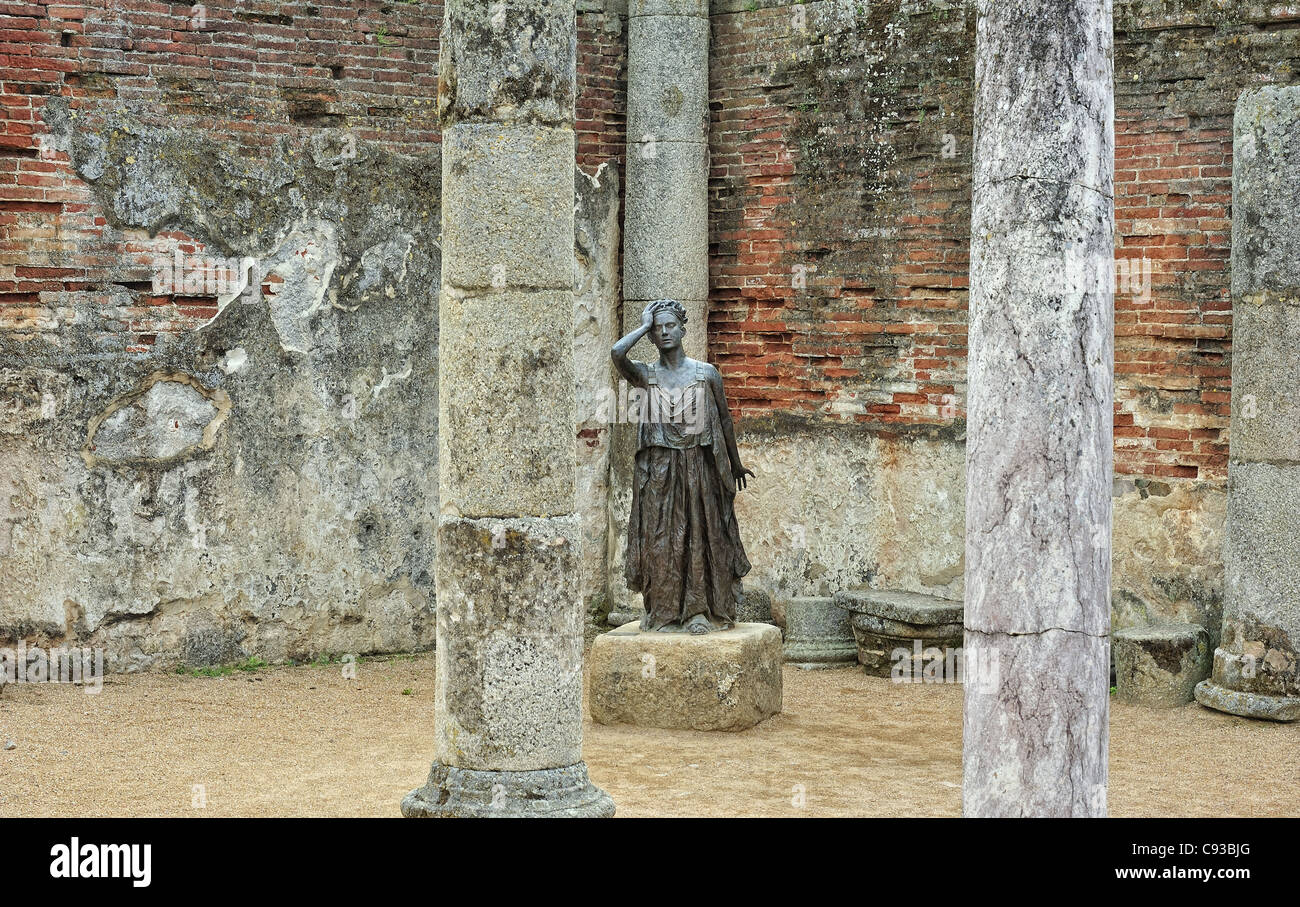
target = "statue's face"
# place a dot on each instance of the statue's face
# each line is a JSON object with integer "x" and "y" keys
{"x": 668, "y": 331}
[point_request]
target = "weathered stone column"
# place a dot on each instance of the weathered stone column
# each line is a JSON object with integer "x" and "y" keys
{"x": 1038, "y": 455}
{"x": 666, "y": 207}
{"x": 596, "y": 322}
{"x": 508, "y": 726}
{"x": 1256, "y": 667}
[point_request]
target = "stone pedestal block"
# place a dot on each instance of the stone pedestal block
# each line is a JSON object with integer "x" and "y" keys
{"x": 817, "y": 633}
{"x": 1161, "y": 665}
{"x": 884, "y": 622}
{"x": 728, "y": 680}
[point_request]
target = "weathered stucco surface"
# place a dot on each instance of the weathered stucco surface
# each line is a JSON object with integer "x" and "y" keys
{"x": 849, "y": 509}
{"x": 267, "y": 484}
{"x": 835, "y": 509}
{"x": 1167, "y": 554}
{"x": 261, "y": 485}
{"x": 596, "y": 306}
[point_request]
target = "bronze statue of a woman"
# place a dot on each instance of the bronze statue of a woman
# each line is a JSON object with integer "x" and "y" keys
{"x": 684, "y": 553}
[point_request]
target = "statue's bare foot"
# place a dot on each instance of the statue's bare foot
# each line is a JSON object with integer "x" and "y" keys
{"x": 698, "y": 625}
{"x": 645, "y": 621}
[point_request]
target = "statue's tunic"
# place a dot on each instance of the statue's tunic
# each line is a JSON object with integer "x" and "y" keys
{"x": 684, "y": 553}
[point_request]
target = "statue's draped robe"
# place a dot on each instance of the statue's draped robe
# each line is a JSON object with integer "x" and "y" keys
{"x": 684, "y": 553}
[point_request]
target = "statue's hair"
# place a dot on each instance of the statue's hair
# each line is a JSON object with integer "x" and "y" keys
{"x": 669, "y": 305}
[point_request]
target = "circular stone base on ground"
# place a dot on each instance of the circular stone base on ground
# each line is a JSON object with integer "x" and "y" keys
{"x": 817, "y": 632}
{"x": 1247, "y": 705}
{"x": 1160, "y": 665}
{"x": 551, "y": 793}
{"x": 727, "y": 680}
{"x": 900, "y": 631}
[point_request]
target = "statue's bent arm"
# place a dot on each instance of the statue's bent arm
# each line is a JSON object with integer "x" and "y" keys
{"x": 635, "y": 372}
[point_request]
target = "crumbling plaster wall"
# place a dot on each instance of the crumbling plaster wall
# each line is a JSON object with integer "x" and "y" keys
{"x": 838, "y": 230}
{"x": 266, "y": 483}
{"x": 259, "y": 485}
{"x": 844, "y": 507}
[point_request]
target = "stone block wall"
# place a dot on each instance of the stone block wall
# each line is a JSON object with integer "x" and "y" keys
{"x": 304, "y": 135}
{"x": 200, "y": 461}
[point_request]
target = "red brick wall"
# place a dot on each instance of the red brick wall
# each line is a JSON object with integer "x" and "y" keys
{"x": 839, "y": 266}
{"x": 1173, "y": 207}
{"x": 602, "y": 86}
{"x": 839, "y": 187}
{"x": 840, "y": 226}
{"x": 243, "y": 73}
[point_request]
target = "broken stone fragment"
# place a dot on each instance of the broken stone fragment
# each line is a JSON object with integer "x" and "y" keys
{"x": 1160, "y": 665}
{"x": 755, "y": 607}
{"x": 885, "y": 622}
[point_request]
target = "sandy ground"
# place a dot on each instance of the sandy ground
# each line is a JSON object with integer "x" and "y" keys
{"x": 307, "y": 741}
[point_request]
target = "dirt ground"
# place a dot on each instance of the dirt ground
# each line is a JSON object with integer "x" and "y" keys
{"x": 305, "y": 741}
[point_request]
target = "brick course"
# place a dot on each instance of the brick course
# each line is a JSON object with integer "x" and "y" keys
{"x": 840, "y": 206}
{"x": 839, "y": 186}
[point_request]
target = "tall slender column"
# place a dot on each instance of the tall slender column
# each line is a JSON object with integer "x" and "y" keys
{"x": 1038, "y": 455}
{"x": 666, "y": 217}
{"x": 1257, "y": 665}
{"x": 508, "y": 725}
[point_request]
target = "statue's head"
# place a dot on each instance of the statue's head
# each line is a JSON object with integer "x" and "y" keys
{"x": 669, "y": 323}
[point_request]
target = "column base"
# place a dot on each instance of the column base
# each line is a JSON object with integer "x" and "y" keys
{"x": 548, "y": 793}
{"x": 1247, "y": 705}
{"x": 817, "y": 632}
